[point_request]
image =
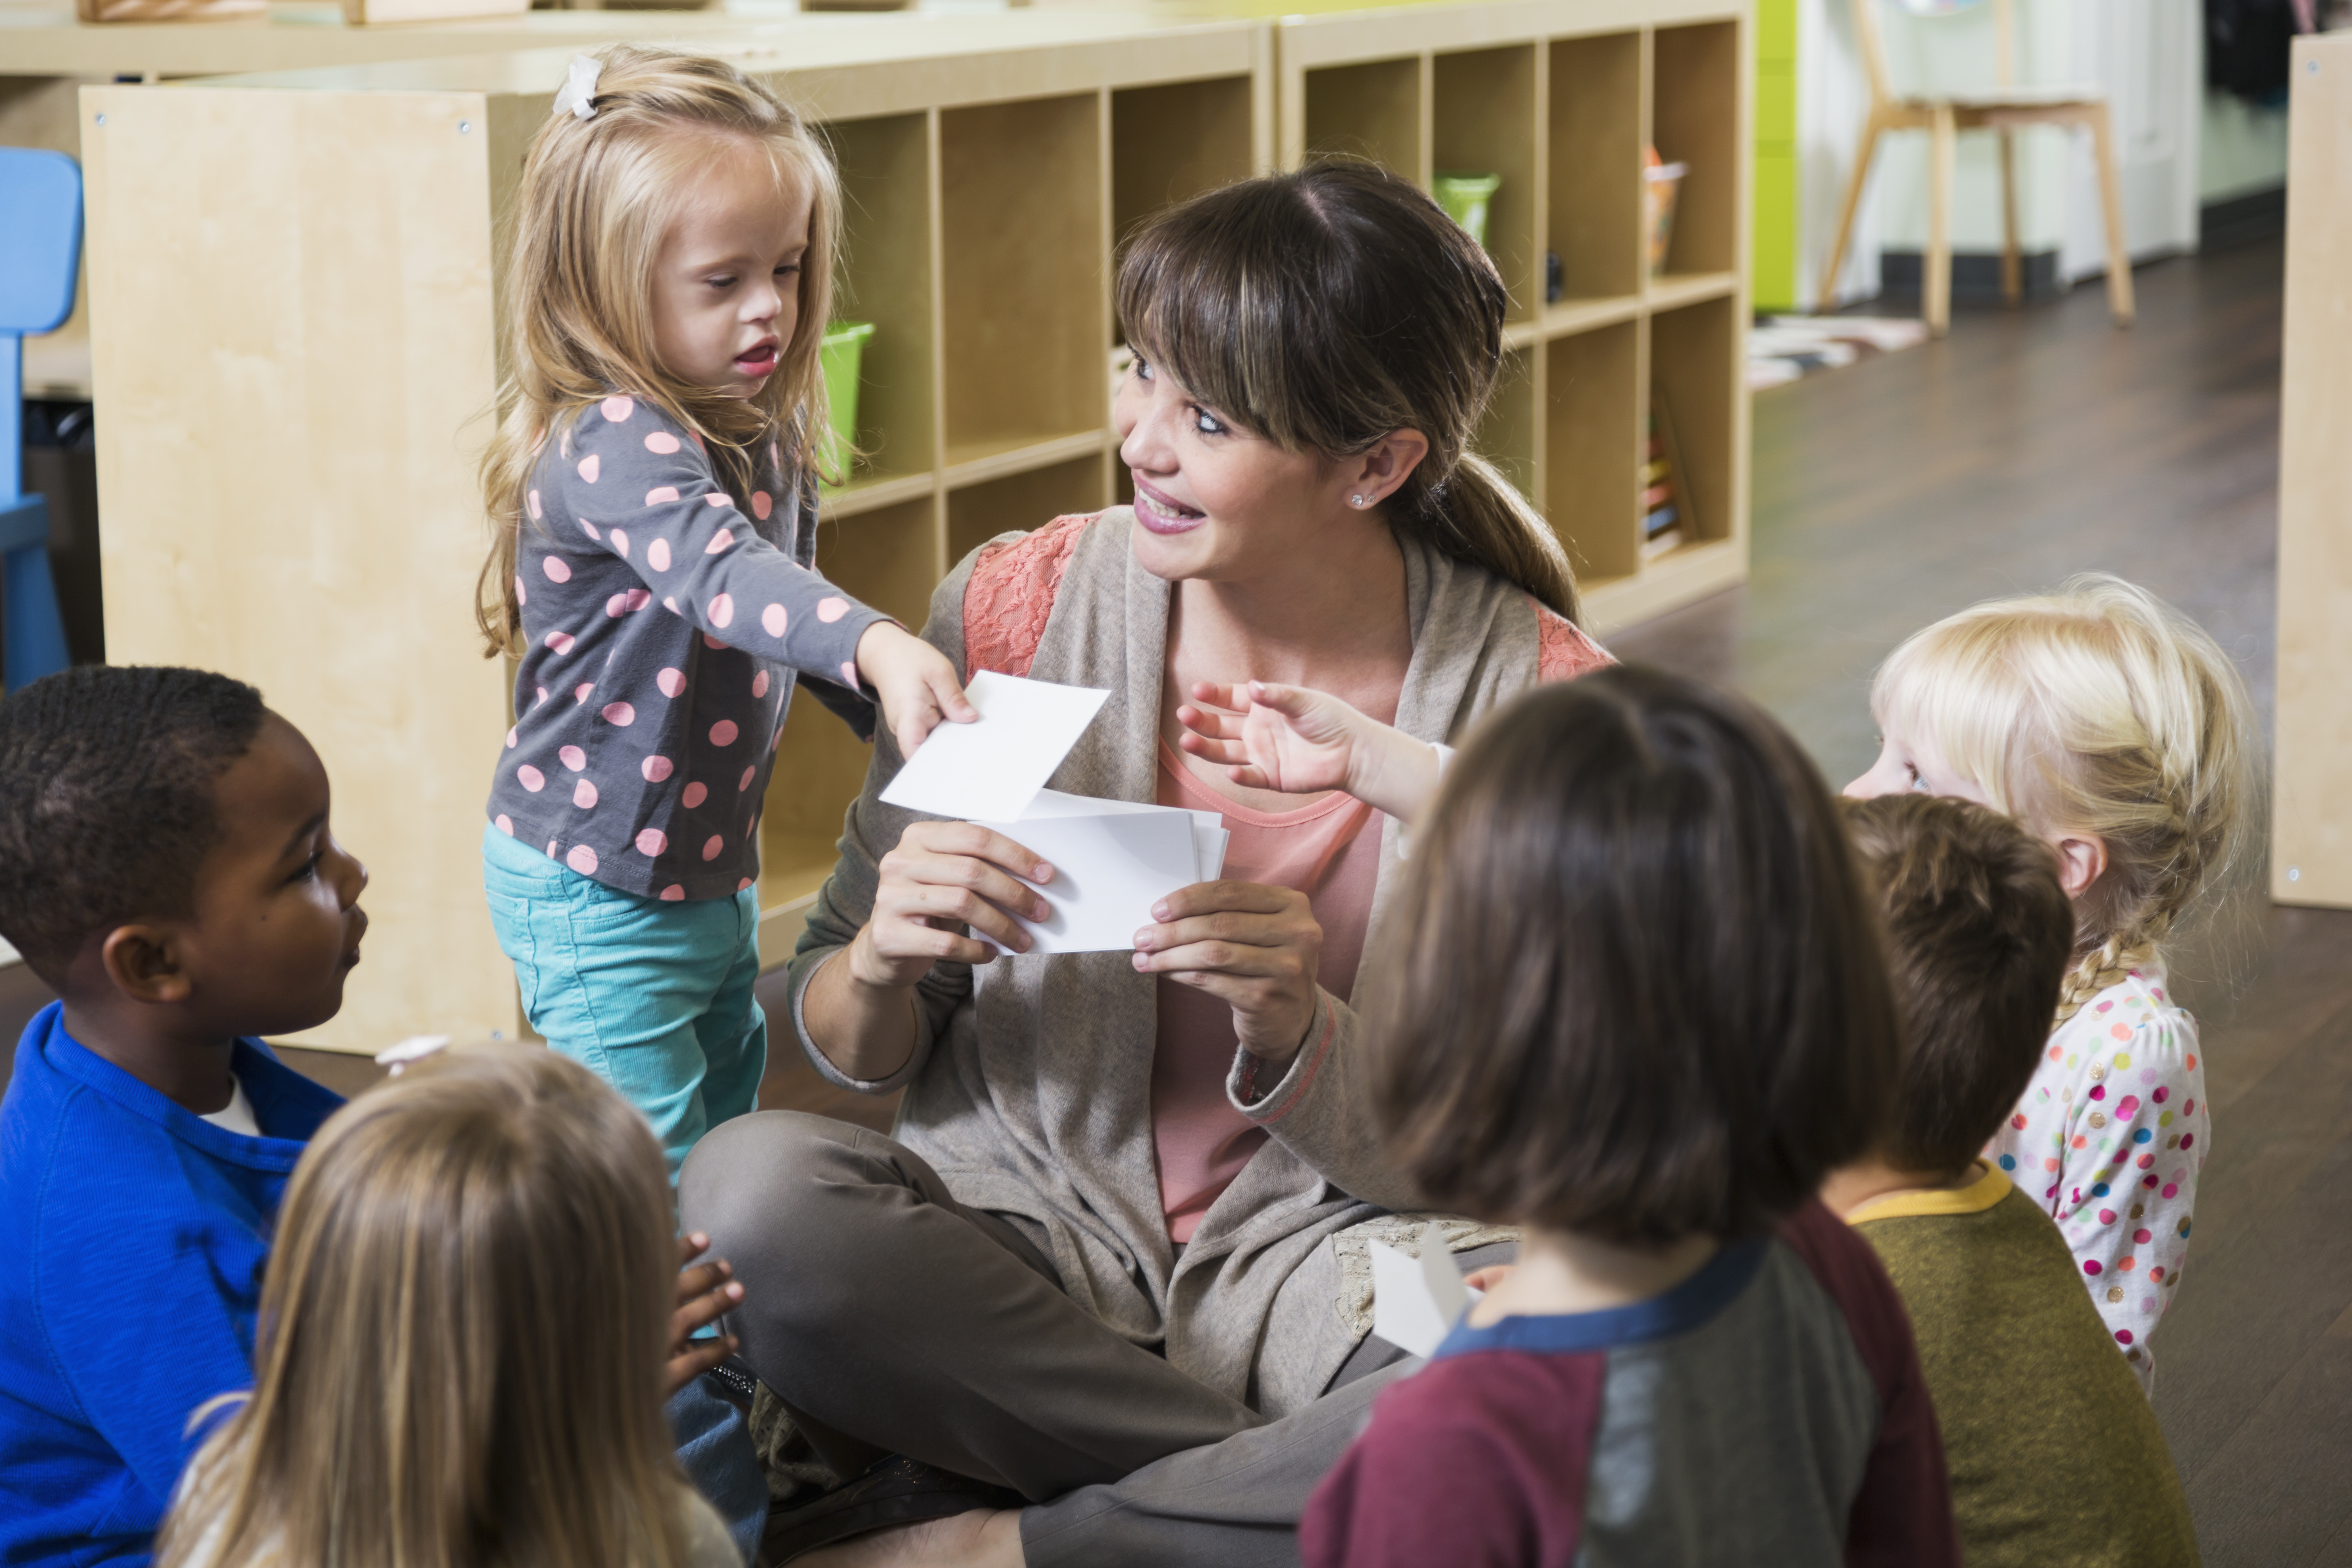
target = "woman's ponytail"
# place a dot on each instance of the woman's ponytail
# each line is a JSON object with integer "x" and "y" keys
{"x": 1477, "y": 515}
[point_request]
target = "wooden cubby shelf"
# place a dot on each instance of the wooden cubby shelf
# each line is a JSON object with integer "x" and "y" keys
{"x": 1561, "y": 98}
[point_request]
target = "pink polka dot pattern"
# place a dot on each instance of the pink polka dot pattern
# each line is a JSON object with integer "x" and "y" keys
{"x": 572, "y": 757}
{"x": 532, "y": 502}
{"x": 661, "y": 495}
{"x": 582, "y": 859}
{"x": 849, "y": 675}
{"x": 621, "y": 714}
{"x": 722, "y": 610}
{"x": 652, "y": 841}
{"x": 712, "y": 643}
{"x": 559, "y": 641}
{"x": 762, "y": 505}
{"x": 693, "y": 795}
{"x": 580, "y": 692}
{"x": 583, "y": 795}
{"x": 723, "y": 733}
{"x": 661, "y": 442}
{"x": 656, "y": 768}
{"x": 771, "y": 620}
{"x": 510, "y": 737}
{"x": 620, "y": 543}
{"x": 760, "y": 684}
{"x": 831, "y": 609}
{"x": 589, "y": 466}
{"x": 590, "y": 528}
{"x": 617, "y": 408}
{"x": 557, "y": 569}
{"x": 713, "y": 845}
{"x": 720, "y": 542}
{"x": 505, "y": 825}
{"x": 718, "y": 497}
{"x": 670, "y": 682}
{"x": 658, "y": 555}
{"x": 748, "y": 774}
{"x": 522, "y": 594}
{"x": 672, "y": 894}
{"x": 743, "y": 884}
{"x": 531, "y": 778}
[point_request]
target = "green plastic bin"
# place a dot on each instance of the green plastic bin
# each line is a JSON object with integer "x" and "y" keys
{"x": 1465, "y": 198}
{"x": 841, "y": 355}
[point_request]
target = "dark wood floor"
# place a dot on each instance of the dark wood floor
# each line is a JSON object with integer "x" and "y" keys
{"x": 2026, "y": 446}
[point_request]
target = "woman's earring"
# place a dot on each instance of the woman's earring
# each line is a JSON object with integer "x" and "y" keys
{"x": 1357, "y": 500}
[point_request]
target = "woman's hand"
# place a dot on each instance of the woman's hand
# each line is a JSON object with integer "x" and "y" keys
{"x": 705, "y": 1294}
{"x": 915, "y": 682}
{"x": 1298, "y": 741}
{"x": 1253, "y": 947}
{"x": 941, "y": 875}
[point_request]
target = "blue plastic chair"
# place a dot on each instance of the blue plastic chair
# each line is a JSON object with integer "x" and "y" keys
{"x": 40, "y": 242}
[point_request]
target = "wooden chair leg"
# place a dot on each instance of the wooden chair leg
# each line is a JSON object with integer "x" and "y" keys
{"x": 2111, "y": 197}
{"x": 2012, "y": 271}
{"x": 1827, "y": 298}
{"x": 1936, "y": 285}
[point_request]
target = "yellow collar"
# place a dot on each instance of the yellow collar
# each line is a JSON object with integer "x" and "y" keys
{"x": 1975, "y": 1198}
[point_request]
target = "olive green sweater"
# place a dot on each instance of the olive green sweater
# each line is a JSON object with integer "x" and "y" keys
{"x": 2055, "y": 1455}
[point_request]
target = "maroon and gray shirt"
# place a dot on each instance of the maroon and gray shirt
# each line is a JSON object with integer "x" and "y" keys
{"x": 665, "y": 623}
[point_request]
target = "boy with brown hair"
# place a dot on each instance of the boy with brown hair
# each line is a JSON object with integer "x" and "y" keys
{"x": 2055, "y": 1455}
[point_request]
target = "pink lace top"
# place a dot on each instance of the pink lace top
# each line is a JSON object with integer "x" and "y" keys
{"x": 1329, "y": 849}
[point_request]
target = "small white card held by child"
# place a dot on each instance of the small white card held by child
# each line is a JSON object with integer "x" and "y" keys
{"x": 1416, "y": 1301}
{"x": 1112, "y": 860}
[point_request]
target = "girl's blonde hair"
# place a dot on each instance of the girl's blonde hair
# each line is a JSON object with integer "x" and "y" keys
{"x": 596, "y": 201}
{"x": 462, "y": 1331}
{"x": 1325, "y": 307}
{"x": 2098, "y": 709}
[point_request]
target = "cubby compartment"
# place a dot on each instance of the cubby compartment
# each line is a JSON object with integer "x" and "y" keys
{"x": 889, "y": 558}
{"x": 1021, "y": 285}
{"x": 1483, "y": 122}
{"x": 1695, "y": 99}
{"x": 1371, "y": 110}
{"x": 1595, "y": 128}
{"x": 886, "y": 278}
{"x": 1507, "y": 432}
{"x": 1172, "y": 141}
{"x": 1591, "y": 393}
{"x": 978, "y": 513}
{"x": 1694, "y": 363}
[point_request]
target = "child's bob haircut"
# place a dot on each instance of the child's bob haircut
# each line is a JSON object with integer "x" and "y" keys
{"x": 1642, "y": 997}
{"x": 2098, "y": 710}
{"x": 462, "y": 1331}
{"x": 1978, "y": 933}
{"x": 596, "y": 201}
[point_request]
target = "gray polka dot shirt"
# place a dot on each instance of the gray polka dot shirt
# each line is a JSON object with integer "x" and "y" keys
{"x": 666, "y": 622}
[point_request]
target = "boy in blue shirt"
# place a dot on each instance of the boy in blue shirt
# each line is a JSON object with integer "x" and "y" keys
{"x": 167, "y": 868}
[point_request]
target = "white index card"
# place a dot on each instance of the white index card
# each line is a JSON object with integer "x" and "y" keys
{"x": 991, "y": 769}
{"x": 1416, "y": 1301}
{"x": 1109, "y": 868}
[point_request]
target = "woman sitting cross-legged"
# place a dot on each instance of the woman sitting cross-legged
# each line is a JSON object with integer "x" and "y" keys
{"x": 1110, "y": 1262}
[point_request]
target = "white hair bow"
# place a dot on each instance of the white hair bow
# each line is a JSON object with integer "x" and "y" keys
{"x": 579, "y": 89}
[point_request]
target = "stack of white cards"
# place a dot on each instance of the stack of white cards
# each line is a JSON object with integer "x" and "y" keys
{"x": 1112, "y": 860}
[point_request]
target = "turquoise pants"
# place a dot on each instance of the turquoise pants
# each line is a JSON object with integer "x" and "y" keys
{"x": 655, "y": 998}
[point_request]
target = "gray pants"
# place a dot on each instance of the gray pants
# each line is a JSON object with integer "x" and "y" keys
{"x": 893, "y": 1319}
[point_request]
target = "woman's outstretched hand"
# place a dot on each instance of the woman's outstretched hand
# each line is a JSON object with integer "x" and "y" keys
{"x": 1253, "y": 947}
{"x": 706, "y": 1292}
{"x": 1296, "y": 740}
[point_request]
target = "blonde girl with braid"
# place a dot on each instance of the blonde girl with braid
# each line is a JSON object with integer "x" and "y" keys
{"x": 2116, "y": 731}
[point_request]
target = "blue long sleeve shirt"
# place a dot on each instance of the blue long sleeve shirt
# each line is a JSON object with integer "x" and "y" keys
{"x": 132, "y": 1238}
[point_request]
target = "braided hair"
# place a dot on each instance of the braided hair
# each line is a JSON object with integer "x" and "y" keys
{"x": 2098, "y": 709}
{"x": 106, "y": 798}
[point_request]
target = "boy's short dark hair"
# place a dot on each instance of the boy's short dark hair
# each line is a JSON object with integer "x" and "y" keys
{"x": 1979, "y": 932}
{"x": 1641, "y": 995}
{"x": 106, "y": 798}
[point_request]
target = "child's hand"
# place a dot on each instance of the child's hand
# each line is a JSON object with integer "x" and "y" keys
{"x": 1297, "y": 741}
{"x": 915, "y": 681}
{"x": 705, "y": 1294}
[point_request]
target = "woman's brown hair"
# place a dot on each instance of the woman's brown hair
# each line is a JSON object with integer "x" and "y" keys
{"x": 1322, "y": 310}
{"x": 462, "y": 1331}
{"x": 1643, "y": 996}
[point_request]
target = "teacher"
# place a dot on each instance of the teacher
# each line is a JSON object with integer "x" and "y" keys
{"x": 1106, "y": 1263}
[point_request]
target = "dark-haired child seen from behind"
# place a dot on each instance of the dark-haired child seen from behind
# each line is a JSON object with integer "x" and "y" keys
{"x": 167, "y": 865}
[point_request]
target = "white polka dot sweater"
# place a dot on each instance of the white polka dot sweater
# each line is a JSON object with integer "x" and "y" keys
{"x": 2109, "y": 1139}
{"x": 665, "y": 624}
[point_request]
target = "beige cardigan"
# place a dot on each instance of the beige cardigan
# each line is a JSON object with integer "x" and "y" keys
{"x": 1029, "y": 1091}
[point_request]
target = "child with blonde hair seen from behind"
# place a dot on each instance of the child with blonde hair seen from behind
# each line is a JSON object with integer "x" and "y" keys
{"x": 653, "y": 493}
{"x": 460, "y": 1357}
{"x": 2115, "y": 730}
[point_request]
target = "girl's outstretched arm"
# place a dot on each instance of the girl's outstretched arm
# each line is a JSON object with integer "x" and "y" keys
{"x": 1298, "y": 741}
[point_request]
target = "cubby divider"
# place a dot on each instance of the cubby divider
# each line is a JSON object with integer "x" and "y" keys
{"x": 1694, "y": 356}
{"x": 1695, "y": 120}
{"x": 886, "y": 278}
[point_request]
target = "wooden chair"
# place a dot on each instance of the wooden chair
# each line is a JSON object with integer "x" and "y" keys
{"x": 1943, "y": 116}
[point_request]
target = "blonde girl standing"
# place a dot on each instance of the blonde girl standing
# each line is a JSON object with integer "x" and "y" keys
{"x": 2116, "y": 730}
{"x": 460, "y": 1357}
{"x": 653, "y": 512}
